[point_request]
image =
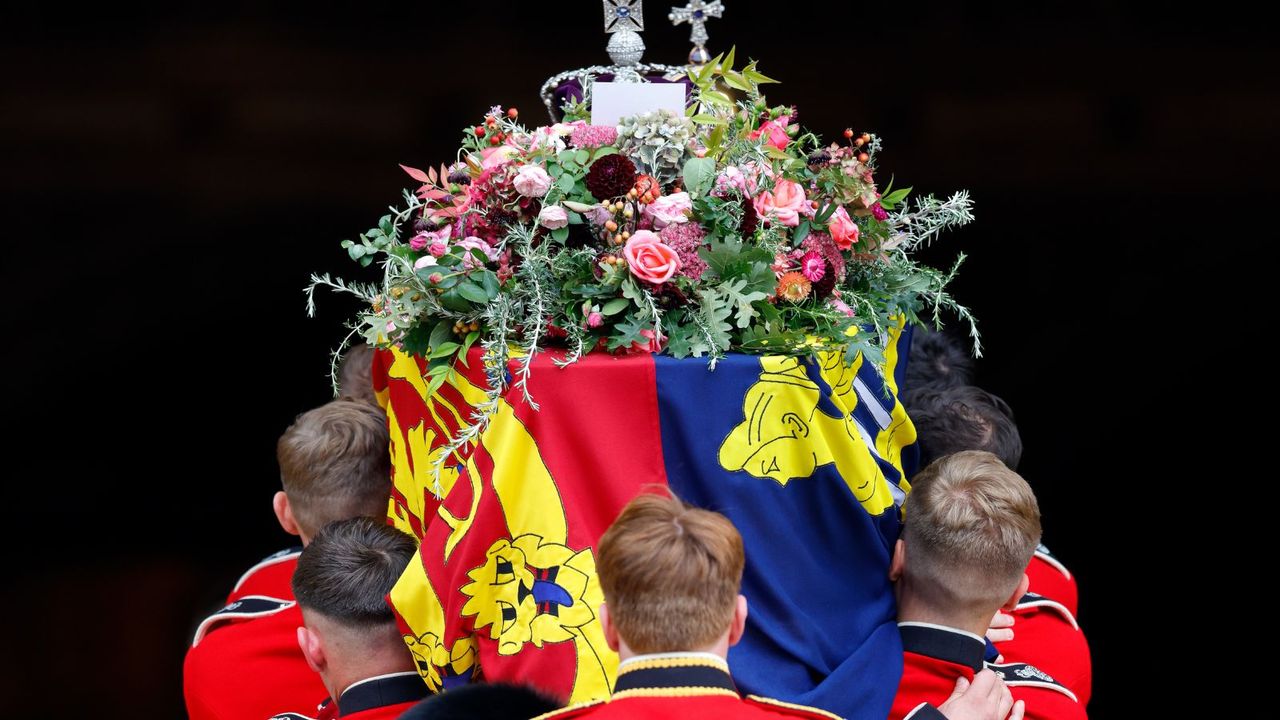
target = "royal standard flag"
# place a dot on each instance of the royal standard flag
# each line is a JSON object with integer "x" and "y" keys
{"x": 804, "y": 455}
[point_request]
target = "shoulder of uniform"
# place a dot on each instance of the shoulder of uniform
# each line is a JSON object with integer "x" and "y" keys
{"x": 251, "y": 606}
{"x": 1043, "y": 553}
{"x": 1034, "y": 600}
{"x": 791, "y": 708}
{"x": 273, "y": 559}
{"x": 572, "y": 711}
{"x": 1024, "y": 675}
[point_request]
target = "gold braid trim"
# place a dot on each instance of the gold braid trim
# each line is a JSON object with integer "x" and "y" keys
{"x": 566, "y": 710}
{"x": 805, "y": 708}
{"x": 674, "y": 662}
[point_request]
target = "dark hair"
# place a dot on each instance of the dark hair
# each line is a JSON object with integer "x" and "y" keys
{"x": 949, "y": 420}
{"x": 355, "y": 375}
{"x": 483, "y": 701}
{"x": 335, "y": 463}
{"x": 937, "y": 360}
{"x": 348, "y": 569}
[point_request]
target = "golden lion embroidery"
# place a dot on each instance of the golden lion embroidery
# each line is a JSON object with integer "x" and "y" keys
{"x": 531, "y": 591}
{"x": 439, "y": 668}
{"x": 786, "y": 436}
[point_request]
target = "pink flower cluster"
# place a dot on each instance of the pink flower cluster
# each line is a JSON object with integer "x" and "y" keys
{"x": 686, "y": 239}
{"x": 593, "y": 136}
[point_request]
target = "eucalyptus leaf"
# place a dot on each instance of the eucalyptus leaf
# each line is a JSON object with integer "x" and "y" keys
{"x": 614, "y": 306}
{"x": 473, "y": 292}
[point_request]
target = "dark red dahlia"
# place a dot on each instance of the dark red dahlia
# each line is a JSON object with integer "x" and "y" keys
{"x": 823, "y": 286}
{"x": 750, "y": 219}
{"x": 610, "y": 177}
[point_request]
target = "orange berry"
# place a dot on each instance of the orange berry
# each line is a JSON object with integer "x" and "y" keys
{"x": 512, "y": 113}
{"x": 848, "y": 132}
{"x": 863, "y": 157}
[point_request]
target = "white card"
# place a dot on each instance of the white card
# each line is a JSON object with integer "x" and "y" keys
{"x": 612, "y": 101}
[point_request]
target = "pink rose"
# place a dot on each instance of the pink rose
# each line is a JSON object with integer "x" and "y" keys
{"x": 774, "y": 133}
{"x": 668, "y": 209}
{"x": 842, "y": 228}
{"x": 595, "y": 320}
{"x": 532, "y": 181}
{"x": 784, "y": 205}
{"x": 553, "y": 217}
{"x": 598, "y": 216}
{"x": 495, "y": 156}
{"x": 650, "y": 259}
{"x": 468, "y": 258}
{"x": 438, "y": 248}
{"x": 656, "y": 341}
{"x": 425, "y": 240}
{"x": 731, "y": 179}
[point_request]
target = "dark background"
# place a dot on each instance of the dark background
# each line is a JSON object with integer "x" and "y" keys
{"x": 172, "y": 174}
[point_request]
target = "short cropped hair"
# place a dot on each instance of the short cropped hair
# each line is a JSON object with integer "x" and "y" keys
{"x": 335, "y": 463}
{"x": 937, "y": 360}
{"x": 483, "y": 701}
{"x": 966, "y": 417}
{"x": 670, "y": 574}
{"x": 972, "y": 525}
{"x": 348, "y": 569}
{"x": 355, "y": 375}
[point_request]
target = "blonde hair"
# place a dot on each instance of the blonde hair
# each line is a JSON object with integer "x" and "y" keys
{"x": 670, "y": 574}
{"x": 335, "y": 463}
{"x": 972, "y": 526}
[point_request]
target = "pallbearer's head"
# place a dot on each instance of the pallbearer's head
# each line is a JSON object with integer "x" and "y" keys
{"x": 341, "y": 583}
{"x": 670, "y": 575}
{"x": 972, "y": 525}
{"x": 964, "y": 417}
{"x": 334, "y": 464}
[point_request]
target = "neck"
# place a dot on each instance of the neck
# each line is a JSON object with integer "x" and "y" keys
{"x": 340, "y": 676}
{"x": 912, "y": 609}
{"x": 720, "y": 649}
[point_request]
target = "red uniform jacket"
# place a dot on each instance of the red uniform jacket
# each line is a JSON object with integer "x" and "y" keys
{"x": 682, "y": 686}
{"x": 1046, "y": 635}
{"x": 379, "y": 698}
{"x": 934, "y": 657}
{"x": 270, "y": 578}
{"x": 1050, "y": 578}
{"x": 244, "y": 662}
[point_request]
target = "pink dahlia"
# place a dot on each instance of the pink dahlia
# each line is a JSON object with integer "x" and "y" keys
{"x": 686, "y": 239}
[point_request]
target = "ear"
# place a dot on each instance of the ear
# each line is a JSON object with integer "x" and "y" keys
{"x": 899, "y": 560}
{"x": 739, "y": 624}
{"x": 312, "y": 649}
{"x": 284, "y": 513}
{"x": 1017, "y": 594}
{"x": 799, "y": 428}
{"x": 610, "y": 632}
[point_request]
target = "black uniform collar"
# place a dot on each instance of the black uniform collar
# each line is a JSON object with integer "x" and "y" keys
{"x": 943, "y": 643}
{"x": 676, "y": 674}
{"x": 381, "y": 691}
